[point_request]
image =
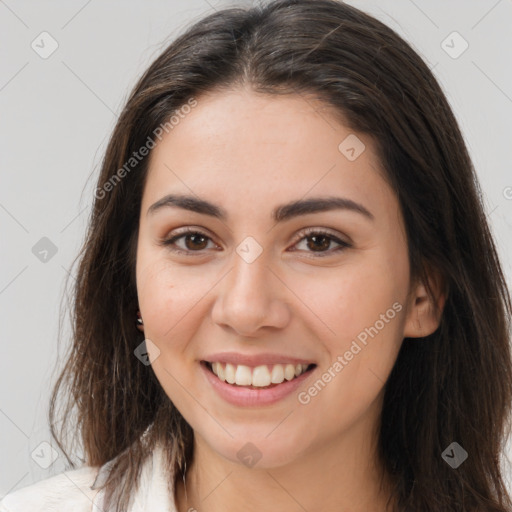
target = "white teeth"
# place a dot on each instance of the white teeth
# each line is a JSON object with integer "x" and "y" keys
{"x": 230, "y": 373}
{"x": 277, "y": 374}
{"x": 220, "y": 372}
{"x": 289, "y": 371}
{"x": 243, "y": 375}
{"x": 259, "y": 376}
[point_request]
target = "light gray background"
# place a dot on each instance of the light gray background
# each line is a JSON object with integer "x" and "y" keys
{"x": 57, "y": 113}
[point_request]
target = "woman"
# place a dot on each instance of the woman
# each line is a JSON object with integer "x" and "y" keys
{"x": 289, "y": 297}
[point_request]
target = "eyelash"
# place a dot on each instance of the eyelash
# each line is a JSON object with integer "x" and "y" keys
{"x": 307, "y": 233}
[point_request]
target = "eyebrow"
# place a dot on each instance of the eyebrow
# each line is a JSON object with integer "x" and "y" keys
{"x": 279, "y": 214}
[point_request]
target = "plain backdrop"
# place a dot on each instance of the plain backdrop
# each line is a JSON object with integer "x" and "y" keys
{"x": 58, "y": 110}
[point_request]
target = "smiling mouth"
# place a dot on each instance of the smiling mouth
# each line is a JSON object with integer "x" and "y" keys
{"x": 259, "y": 377}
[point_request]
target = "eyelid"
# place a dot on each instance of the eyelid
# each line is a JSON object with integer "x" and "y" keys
{"x": 319, "y": 231}
{"x": 304, "y": 233}
{"x": 178, "y": 233}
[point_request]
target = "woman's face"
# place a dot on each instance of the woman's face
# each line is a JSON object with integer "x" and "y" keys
{"x": 257, "y": 286}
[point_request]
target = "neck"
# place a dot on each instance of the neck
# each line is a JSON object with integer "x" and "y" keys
{"x": 342, "y": 475}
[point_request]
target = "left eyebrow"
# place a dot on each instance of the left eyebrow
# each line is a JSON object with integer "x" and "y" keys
{"x": 281, "y": 213}
{"x": 316, "y": 205}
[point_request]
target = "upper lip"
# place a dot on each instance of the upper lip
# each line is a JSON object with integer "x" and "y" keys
{"x": 254, "y": 360}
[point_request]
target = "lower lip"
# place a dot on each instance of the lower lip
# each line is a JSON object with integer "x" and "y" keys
{"x": 247, "y": 397}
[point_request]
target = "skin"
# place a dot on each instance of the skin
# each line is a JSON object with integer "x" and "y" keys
{"x": 248, "y": 153}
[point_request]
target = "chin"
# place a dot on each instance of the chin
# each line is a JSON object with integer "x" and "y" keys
{"x": 258, "y": 449}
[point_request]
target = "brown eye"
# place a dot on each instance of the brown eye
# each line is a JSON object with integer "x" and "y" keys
{"x": 319, "y": 243}
{"x": 190, "y": 241}
{"x": 195, "y": 241}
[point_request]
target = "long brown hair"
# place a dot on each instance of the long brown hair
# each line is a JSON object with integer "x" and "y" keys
{"x": 452, "y": 386}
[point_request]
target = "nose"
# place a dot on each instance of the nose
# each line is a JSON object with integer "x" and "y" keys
{"x": 250, "y": 298}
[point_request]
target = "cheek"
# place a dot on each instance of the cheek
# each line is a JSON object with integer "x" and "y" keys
{"x": 352, "y": 297}
{"x": 363, "y": 305}
{"x": 168, "y": 301}
{"x": 165, "y": 295}
{"x": 365, "y": 309}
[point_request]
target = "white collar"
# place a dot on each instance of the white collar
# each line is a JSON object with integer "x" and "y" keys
{"x": 155, "y": 492}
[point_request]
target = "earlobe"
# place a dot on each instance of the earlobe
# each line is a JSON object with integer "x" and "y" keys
{"x": 139, "y": 322}
{"x": 424, "y": 313}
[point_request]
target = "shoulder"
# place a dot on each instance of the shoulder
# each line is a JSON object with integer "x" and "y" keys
{"x": 70, "y": 490}
{"x": 80, "y": 490}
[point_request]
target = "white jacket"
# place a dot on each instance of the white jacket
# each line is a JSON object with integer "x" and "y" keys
{"x": 71, "y": 491}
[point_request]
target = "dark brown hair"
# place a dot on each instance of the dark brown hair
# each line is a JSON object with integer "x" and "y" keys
{"x": 454, "y": 385}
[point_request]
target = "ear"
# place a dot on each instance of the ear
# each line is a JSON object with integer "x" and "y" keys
{"x": 424, "y": 312}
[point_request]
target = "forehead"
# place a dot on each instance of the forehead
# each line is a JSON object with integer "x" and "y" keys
{"x": 261, "y": 146}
